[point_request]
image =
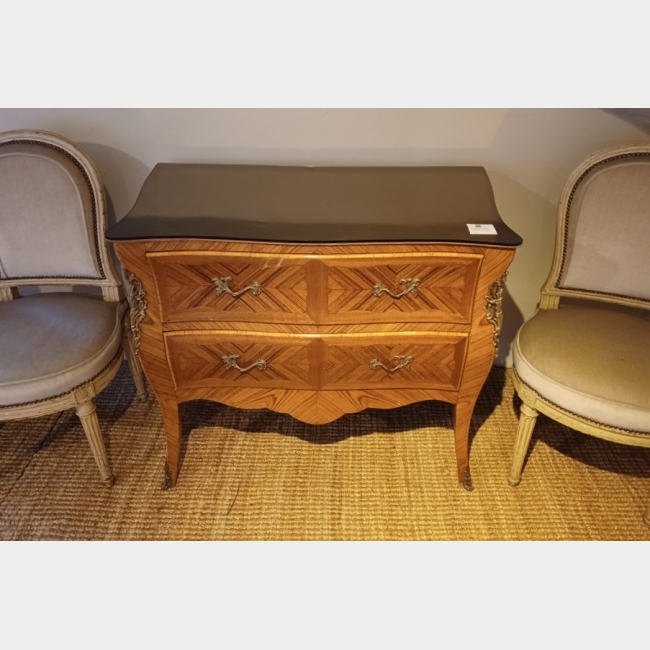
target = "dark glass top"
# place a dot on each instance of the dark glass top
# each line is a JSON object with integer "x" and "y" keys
{"x": 314, "y": 205}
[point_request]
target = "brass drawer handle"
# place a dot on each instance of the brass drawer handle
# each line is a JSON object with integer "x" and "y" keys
{"x": 221, "y": 286}
{"x": 403, "y": 361}
{"x": 230, "y": 360}
{"x": 410, "y": 286}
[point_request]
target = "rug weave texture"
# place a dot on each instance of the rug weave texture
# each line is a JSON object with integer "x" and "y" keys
{"x": 258, "y": 475}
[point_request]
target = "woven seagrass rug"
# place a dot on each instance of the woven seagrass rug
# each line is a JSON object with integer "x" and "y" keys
{"x": 259, "y": 475}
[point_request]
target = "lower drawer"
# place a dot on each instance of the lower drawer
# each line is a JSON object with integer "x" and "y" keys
{"x": 404, "y": 360}
{"x": 205, "y": 358}
{"x": 217, "y": 358}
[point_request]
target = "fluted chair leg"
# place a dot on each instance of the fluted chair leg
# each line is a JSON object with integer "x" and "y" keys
{"x": 87, "y": 413}
{"x": 527, "y": 421}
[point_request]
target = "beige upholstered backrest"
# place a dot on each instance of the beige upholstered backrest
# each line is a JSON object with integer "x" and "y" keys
{"x": 52, "y": 214}
{"x": 603, "y": 240}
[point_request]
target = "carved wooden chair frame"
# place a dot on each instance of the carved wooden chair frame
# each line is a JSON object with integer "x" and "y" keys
{"x": 81, "y": 396}
{"x": 532, "y": 402}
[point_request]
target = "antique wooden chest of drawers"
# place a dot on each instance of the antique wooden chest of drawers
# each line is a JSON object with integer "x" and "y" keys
{"x": 315, "y": 291}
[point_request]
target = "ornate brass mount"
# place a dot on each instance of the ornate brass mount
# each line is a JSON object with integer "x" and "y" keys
{"x": 403, "y": 361}
{"x": 494, "y": 309}
{"x": 221, "y": 286}
{"x": 410, "y": 286}
{"x": 138, "y": 304}
{"x": 230, "y": 361}
{"x": 167, "y": 480}
{"x": 467, "y": 481}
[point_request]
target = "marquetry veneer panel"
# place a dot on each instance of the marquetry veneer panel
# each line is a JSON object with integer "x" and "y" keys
{"x": 305, "y": 289}
{"x": 332, "y": 362}
{"x": 426, "y": 361}
{"x": 188, "y": 292}
{"x": 441, "y": 288}
{"x": 197, "y": 360}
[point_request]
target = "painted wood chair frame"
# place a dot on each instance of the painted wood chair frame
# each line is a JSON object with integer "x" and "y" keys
{"x": 81, "y": 396}
{"x": 558, "y": 287}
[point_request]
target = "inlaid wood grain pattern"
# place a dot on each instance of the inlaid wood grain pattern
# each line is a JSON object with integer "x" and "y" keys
{"x": 315, "y": 360}
{"x": 461, "y": 364}
{"x": 196, "y": 359}
{"x": 480, "y": 355}
{"x": 337, "y": 289}
{"x": 323, "y": 252}
{"x": 444, "y": 291}
{"x": 315, "y": 406}
{"x": 187, "y": 291}
{"x": 153, "y": 354}
{"x": 286, "y": 328}
{"x": 436, "y": 361}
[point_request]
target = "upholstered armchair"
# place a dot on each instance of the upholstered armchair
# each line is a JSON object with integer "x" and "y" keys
{"x": 586, "y": 364}
{"x": 58, "y": 349}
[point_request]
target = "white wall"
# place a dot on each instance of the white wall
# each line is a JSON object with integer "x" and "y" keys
{"x": 528, "y": 154}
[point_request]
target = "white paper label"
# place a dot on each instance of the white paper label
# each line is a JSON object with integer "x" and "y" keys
{"x": 481, "y": 229}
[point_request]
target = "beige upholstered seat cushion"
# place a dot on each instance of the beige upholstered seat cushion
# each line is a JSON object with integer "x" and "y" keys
{"x": 53, "y": 342}
{"x": 591, "y": 362}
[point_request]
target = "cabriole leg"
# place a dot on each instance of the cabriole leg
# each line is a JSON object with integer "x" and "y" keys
{"x": 172, "y": 420}
{"x": 462, "y": 419}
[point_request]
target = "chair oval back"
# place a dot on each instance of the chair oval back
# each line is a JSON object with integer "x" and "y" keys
{"x": 603, "y": 240}
{"x": 52, "y": 213}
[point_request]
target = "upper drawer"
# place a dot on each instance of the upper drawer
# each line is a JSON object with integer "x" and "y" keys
{"x": 422, "y": 287}
{"x": 232, "y": 287}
